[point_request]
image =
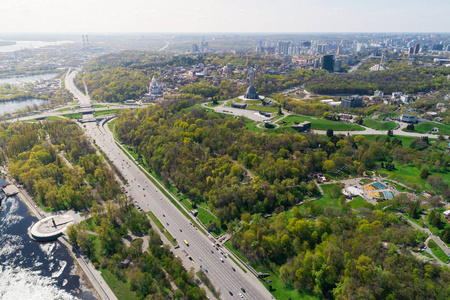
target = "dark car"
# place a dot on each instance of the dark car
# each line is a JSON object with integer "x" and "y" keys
{"x": 242, "y": 289}
{"x": 230, "y": 293}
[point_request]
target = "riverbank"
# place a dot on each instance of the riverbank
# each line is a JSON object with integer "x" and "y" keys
{"x": 88, "y": 281}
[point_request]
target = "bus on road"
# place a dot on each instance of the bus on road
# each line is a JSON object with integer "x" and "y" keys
{"x": 186, "y": 242}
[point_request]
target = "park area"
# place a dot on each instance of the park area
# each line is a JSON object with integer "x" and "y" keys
{"x": 319, "y": 124}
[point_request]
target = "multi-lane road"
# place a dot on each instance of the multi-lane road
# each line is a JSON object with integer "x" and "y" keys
{"x": 226, "y": 276}
{"x": 228, "y": 279}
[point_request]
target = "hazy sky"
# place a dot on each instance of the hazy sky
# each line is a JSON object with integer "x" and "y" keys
{"x": 87, "y": 16}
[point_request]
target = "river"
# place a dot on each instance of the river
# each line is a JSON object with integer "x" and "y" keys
{"x": 31, "y": 78}
{"x": 20, "y": 45}
{"x": 13, "y": 105}
{"x": 32, "y": 270}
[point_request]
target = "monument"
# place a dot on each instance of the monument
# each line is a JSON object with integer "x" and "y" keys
{"x": 154, "y": 88}
{"x": 251, "y": 91}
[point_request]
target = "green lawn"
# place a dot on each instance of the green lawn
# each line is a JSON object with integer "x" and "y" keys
{"x": 320, "y": 124}
{"x": 365, "y": 181}
{"x": 438, "y": 251}
{"x": 112, "y": 127}
{"x": 426, "y": 127}
{"x": 105, "y": 112}
{"x": 358, "y": 202}
{"x": 67, "y": 108}
{"x": 74, "y": 116}
{"x": 98, "y": 106}
{"x": 253, "y": 102}
{"x": 53, "y": 118}
{"x": 161, "y": 227}
{"x": 206, "y": 217}
{"x": 121, "y": 289}
{"x": 263, "y": 108}
{"x": 379, "y": 125}
{"x": 410, "y": 176}
{"x": 326, "y": 200}
{"x": 382, "y": 116}
{"x": 210, "y": 104}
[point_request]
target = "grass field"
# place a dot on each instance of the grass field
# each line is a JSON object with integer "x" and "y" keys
{"x": 67, "y": 109}
{"x": 410, "y": 176}
{"x": 210, "y": 104}
{"x": 161, "y": 227}
{"x": 437, "y": 251}
{"x": 326, "y": 200}
{"x": 206, "y": 217}
{"x": 263, "y": 108}
{"x": 382, "y": 116}
{"x": 379, "y": 125}
{"x": 74, "y": 116}
{"x": 426, "y": 127}
{"x": 98, "y": 106}
{"x": 105, "y": 112}
{"x": 358, "y": 202}
{"x": 320, "y": 124}
{"x": 52, "y": 118}
{"x": 112, "y": 127}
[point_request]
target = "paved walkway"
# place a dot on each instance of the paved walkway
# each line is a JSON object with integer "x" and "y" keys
{"x": 431, "y": 236}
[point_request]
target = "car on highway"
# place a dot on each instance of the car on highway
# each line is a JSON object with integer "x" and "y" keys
{"x": 242, "y": 289}
{"x": 221, "y": 259}
{"x": 233, "y": 269}
{"x": 167, "y": 224}
{"x": 230, "y": 293}
{"x": 240, "y": 295}
{"x": 212, "y": 251}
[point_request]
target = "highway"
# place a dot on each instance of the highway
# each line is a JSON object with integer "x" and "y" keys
{"x": 200, "y": 248}
{"x": 82, "y": 98}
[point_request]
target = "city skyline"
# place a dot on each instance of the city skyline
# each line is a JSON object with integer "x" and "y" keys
{"x": 172, "y": 16}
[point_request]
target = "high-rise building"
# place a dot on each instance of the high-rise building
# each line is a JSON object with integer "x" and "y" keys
{"x": 337, "y": 65}
{"x": 306, "y": 44}
{"x": 328, "y": 63}
{"x": 195, "y": 48}
{"x": 283, "y": 47}
{"x": 321, "y": 49}
{"x": 437, "y": 47}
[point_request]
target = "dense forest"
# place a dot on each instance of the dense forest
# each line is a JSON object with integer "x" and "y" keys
{"x": 343, "y": 256}
{"x": 242, "y": 174}
{"x": 206, "y": 156}
{"x": 34, "y": 152}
